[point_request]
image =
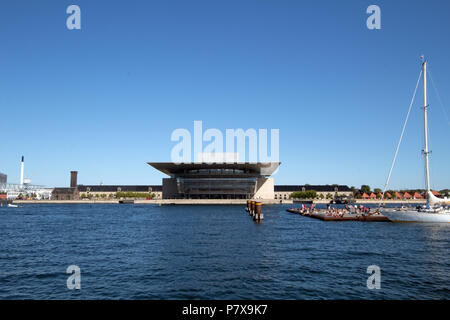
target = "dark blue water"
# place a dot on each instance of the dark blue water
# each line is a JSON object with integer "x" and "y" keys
{"x": 214, "y": 252}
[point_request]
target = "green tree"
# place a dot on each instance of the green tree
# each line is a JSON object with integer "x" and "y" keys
{"x": 310, "y": 194}
{"x": 365, "y": 188}
{"x": 135, "y": 195}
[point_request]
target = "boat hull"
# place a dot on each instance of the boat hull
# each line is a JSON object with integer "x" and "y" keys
{"x": 416, "y": 216}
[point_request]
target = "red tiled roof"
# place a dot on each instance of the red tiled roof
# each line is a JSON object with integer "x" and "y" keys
{"x": 406, "y": 195}
{"x": 365, "y": 195}
{"x": 417, "y": 195}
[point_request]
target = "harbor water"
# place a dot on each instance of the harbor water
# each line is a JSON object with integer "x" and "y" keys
{"x": 214, "y": 252}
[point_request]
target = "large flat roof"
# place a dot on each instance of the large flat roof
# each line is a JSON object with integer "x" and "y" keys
{"x": 252, "y": 168}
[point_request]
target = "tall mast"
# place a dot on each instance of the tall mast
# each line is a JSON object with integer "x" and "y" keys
{"x": 425, "y": 123}
{"x": 21, "y": 173}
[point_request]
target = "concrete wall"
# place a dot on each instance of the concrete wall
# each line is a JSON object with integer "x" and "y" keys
{"x": 169, "y": 188}
{"x": 264, "y": 188}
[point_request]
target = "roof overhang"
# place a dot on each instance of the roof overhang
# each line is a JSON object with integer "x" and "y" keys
{"x": 253, "y": 168}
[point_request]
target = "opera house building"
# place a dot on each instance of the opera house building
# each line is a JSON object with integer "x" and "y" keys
{"x": 217, "y": 180}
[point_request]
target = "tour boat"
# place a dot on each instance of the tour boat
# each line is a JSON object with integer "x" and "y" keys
{"x": 436, "y": 209}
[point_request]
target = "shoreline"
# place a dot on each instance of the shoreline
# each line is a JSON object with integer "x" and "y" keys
{"x": 208, "y": 201}
{"x": 156, "y": 202}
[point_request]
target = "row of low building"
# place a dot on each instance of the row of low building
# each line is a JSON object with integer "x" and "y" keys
{"x": 212, "y": 181}
{"x": 104, "y": 191}
{"x": 281, "y": 192}
{"x": 76, "y": 191}
{"x": 398, "y": 195}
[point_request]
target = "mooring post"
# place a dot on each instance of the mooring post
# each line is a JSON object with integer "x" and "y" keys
{"x": 258, "y": 212}
{"x": 252, "y": 208}
{"x": 248, "y": 206}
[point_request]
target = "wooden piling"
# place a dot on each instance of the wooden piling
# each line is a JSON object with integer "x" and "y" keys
{"x": 258, "y": 212}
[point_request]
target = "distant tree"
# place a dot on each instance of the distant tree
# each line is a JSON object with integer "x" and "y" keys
{"x": 365, "y": 188}
{"x": 134, "y": 195}
{"x": 310, "y": 194}
{"x": 377, "y": 190}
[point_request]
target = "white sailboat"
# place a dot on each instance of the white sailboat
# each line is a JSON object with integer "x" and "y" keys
{"x": 436, "y": 209}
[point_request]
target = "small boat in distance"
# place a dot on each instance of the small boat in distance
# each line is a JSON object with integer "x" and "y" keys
{"x": 3, "y": 199}
{"x": 436, "y": 209}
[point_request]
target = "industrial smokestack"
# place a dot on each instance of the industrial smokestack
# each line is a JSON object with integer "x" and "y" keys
{"x": 22, "y": 164}
{"x": 73, "y": 179}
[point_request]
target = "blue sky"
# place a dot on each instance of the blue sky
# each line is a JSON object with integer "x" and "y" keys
{"x": 105, "y": 99}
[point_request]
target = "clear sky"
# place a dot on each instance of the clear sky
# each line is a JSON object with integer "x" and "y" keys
{"x": 105, "y": 99}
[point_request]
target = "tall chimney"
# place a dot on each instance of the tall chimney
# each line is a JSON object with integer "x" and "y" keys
{"x": 21, "y": 172}
{"x": 73, "y": 179}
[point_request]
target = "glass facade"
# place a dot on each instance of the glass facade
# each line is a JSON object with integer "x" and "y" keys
{"x": 216, "y": 188}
